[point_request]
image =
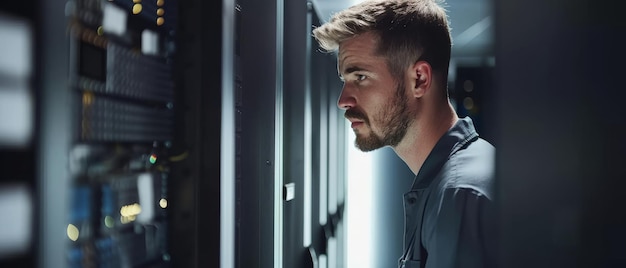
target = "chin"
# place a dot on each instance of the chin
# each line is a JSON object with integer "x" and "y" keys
{"x": 367, "y": 144}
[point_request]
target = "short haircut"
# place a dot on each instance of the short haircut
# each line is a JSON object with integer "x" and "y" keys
{"x": 407, "y": 30}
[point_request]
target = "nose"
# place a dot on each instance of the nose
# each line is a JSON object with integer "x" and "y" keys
{"x": 346, "y": 100}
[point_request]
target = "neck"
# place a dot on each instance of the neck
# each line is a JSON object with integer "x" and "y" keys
{"x": 423, "y": 134}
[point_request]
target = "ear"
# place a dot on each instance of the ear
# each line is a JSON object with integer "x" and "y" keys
{"x": 421, "y": 77}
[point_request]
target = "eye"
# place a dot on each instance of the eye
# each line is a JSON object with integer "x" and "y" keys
{"x": 360, "y": 77}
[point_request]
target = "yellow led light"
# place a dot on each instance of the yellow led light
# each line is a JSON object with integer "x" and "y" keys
{"x": 128, "y": 213}
{"x": 160, "y": 11}
{"x": 137, "y": 8}
{"x": 160, "y": 21}
{"x": 72, "y": 232}
{"x": 88, "y": 98}
{"x": 100, "y": 30}
{"x": 136, "y": 1}
{"x": 468, "y": 103}
{"x": 160, "y": 3}
{"x": 163, "y": 203}
{"x": 130, "y": 210}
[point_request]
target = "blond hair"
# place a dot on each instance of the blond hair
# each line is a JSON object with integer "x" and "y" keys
{"x": 407, "y": 31}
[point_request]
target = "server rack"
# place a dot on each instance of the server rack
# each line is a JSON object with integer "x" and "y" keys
{"x": 110, "y": 162}
{"x": 315, "y": 158}
{"x": 129, "y": 160}
{"x": 161, "y": 136}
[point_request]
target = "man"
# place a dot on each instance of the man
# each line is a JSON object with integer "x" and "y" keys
{"x": 393, "y": 59}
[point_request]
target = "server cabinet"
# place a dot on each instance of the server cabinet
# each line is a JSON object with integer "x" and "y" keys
{"x": 314, "y": 159}
{"x": 202, "y": 191}
{"x": 107, "y": 124}
{"x": 560, "y": 160}
{"x": 296, "y": 86}
{"x": 164, "y": 135}
{"x": 257, "y": 79}
{"x": 326, "y": 155}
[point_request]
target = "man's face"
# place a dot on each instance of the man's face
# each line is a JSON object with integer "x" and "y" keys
{"x": 375, "y": 102}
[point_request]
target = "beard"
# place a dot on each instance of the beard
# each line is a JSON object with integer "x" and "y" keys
{"x": 394, "y": 119}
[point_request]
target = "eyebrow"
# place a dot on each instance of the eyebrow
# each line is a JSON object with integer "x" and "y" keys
{"x": 350, "y": 70}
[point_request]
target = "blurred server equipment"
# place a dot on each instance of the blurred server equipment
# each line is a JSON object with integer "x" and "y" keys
{"x": 122, "y": 121}
{"x": 473, "y": 94}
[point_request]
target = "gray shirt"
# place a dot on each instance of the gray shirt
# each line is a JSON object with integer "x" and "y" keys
{"x": 450, "y": 217}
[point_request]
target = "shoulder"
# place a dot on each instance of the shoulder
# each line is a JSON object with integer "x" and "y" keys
{"x": 462, "y": 194}
{"x": 471, "y": 168}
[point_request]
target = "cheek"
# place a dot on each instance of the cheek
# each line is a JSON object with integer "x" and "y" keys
{"x": 382, "y": 110}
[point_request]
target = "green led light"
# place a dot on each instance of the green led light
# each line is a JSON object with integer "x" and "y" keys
{"x": 153, "y": 158}
{"x": 109, "y": 221}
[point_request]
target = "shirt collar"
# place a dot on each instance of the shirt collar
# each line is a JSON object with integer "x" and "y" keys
{"x": 456, "y": 138}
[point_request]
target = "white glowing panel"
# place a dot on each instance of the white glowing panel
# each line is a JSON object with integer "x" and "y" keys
{"x": 145, "y": 187}
{"x": 227, "y": 148}
{"x": 113, "y": 19}
{"x": 16, "y": 116}
{"x": 332, "y": 252}
{"x": 16, "y": 104}
{"x": 358, "y": 206}
{"x": 16, "y": 208}
{"x": 333, "y": 161}
{"x": 149, "y": 42}
{"x": 323, "y": 171}
{"x": 15, "y": 48}
{"x": 322, "y": 261}
{"x": 308, "y": 169}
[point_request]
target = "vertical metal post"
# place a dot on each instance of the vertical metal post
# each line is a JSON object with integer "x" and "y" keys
{"x": 227, "y": 154}
{"x": 278, "y": 142}
{"x": 308, "y": 140}
{"x": 54, "y": 137}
